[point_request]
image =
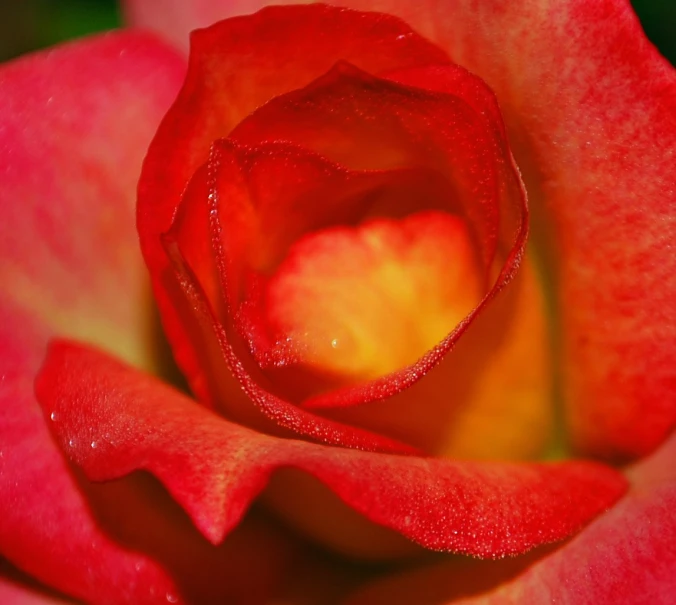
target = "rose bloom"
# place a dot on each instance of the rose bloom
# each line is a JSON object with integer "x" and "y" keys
{"x": 416, "y": 271}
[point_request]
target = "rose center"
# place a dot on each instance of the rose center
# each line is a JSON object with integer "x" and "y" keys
{"x": 360, "y": 302}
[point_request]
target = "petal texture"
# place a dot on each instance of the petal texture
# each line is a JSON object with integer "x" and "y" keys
{"x": 214, "y": 468}
{"x": 624, "y": 556}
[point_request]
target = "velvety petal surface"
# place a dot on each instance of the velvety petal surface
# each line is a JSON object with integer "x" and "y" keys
{"x": 590, "y": 108}
{"x": 76, "y": 122}
{"x": 624, "y": 556}
{"x": 215, "y": 468}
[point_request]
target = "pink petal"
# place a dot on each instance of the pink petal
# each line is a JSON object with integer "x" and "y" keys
{"x": 590, "y": 107}
{"x": 215, "y": 468}
{"x": 76, "y": 121}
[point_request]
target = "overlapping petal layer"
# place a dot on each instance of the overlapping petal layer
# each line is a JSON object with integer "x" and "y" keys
{"x": 589, "y": 104}
{"x": 76, "y": 121}
{"x": 329, "y": 153}
{"x": 237, "y": 67}
{"x": 113, "y": 419}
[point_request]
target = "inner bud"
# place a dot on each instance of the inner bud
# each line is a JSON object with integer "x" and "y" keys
{"x": 361, "y": 302}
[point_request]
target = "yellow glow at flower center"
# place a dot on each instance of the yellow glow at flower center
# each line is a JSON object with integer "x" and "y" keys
{"x": 365, "y": 301}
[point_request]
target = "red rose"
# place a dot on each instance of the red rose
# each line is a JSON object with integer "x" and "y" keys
{"x": 312, "y": 151}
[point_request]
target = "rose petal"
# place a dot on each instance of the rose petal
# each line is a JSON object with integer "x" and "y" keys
{"x": 75, "y": 123}
{"x": 363, "y": 122}
{"x": 489, "y": 398}
{"x": 624, "y": 556}
{"x": 107, "y": 544}
{"x": 254, "y": 57}
{"x": 214, "y": 468}
{"x": 72, "y": 143}
{"x": 590, "y": 106}
{"x": 69, "y": 162}
{"x": 596, "y": 143}
{"x": 309, "y": 117}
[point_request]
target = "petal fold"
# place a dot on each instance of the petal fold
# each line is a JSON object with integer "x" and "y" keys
{"x": 76, "y": 121}
{"x": 215, "y": 468}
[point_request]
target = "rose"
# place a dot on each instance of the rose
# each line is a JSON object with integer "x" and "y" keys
{"x": 624, "y": 508}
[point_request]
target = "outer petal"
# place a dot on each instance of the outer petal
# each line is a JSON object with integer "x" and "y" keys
{"x": 214, "y": 468}
{"x": 76, "y": 121}
{"x": 625, "y": 556}
{"x": 71, "y": 144}
{"x": 590, "y": 104}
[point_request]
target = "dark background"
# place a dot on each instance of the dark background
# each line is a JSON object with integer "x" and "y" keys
{"x": 29, "y": 24}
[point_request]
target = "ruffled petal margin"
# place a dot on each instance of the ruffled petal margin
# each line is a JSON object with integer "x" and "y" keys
{"x": 112, "y": 419}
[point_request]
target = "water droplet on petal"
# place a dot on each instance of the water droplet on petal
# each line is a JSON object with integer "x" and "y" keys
{"x": 172, "y": 598}
{"x": 53, "y": 416}
{"x": 93, "y": 444}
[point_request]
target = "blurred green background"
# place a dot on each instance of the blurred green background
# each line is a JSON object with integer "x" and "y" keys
{"x": 29, "y": 24}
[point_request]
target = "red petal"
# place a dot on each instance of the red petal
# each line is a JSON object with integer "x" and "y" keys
{"x": 237, "y": 66}
{"x": 624, "y": 556}
{"x": 18, "y": 589}
{"x": 119, "y": 543}
{"x": 215, "y": 468}
{"x": 467, "y": 150}
{"x": 590, "y": 104}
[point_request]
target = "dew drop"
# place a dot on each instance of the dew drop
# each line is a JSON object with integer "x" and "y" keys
{"x": 334, "y": 343}
{"x": 53, "y": 416}
{"x": 172, "y": 598}
{"x": 71, "y": 442}
{"x": 93, "y": 444}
